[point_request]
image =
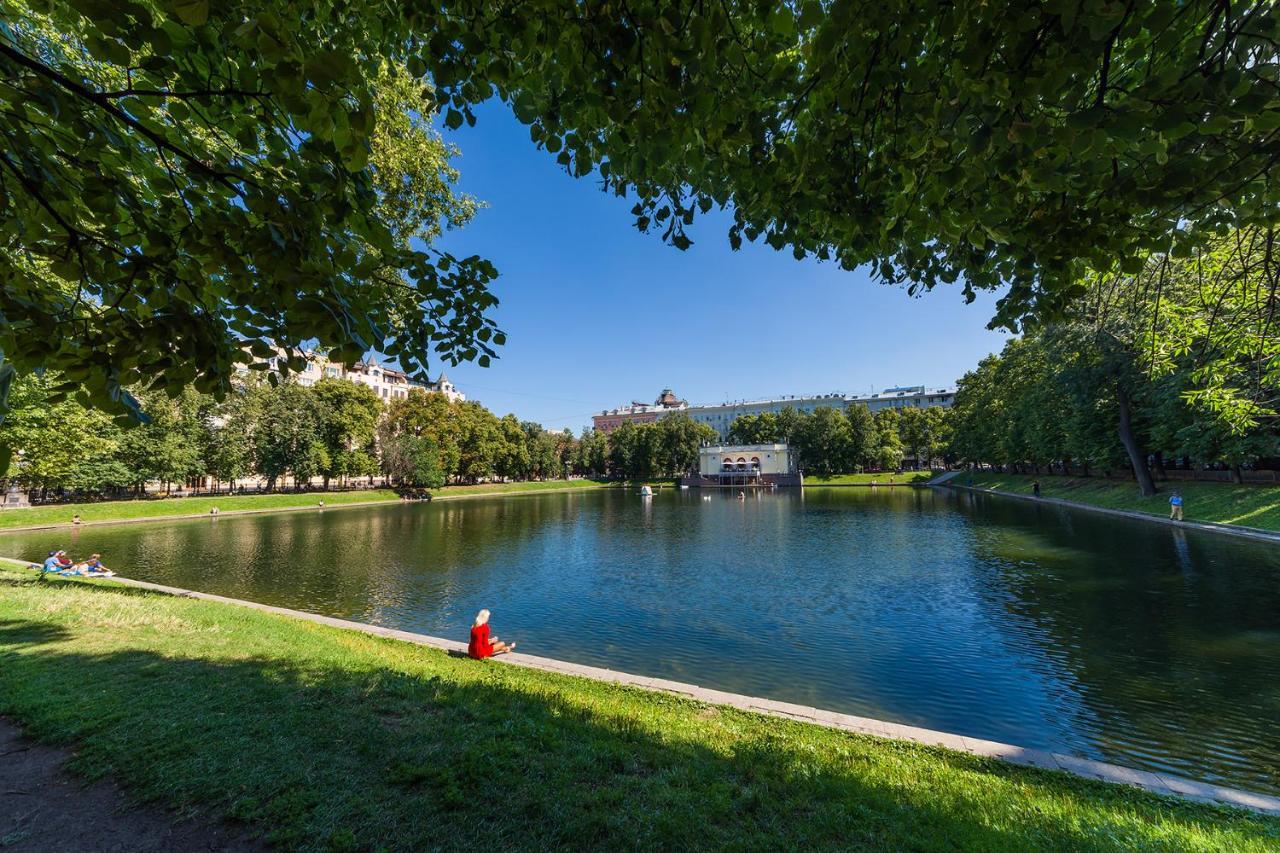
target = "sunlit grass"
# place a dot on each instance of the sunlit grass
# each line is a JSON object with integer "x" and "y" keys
{"x": 1224, "y": 503}
{"x": 193, "y": 506}
{"x": 330, "y": 739}
{"x": 882, "y": 478}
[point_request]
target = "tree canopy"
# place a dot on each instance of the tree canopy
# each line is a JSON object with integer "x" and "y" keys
{"x": 1017, "y": 143}
{"x": 180, "y": 181}
{"x": 178, "y": 175}
{"x": 1180, "y": 358}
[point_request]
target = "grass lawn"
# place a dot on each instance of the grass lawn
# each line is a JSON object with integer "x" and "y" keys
{"x": 1224, "y": 503}
{"x": 326, "y": 739}
{"x": 154, "y": 507}
{"x": 528, "y": 486}
{"x": 882, "y": 478}
{"x": 157, "y": 507}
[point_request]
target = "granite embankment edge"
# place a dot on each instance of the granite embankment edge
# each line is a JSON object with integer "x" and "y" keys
{"x": 1163, "y": 784}
{"x": 1207, "y": 526}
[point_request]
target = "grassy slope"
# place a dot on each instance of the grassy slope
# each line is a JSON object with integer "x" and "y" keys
{"x": 1224, "y": 503}
{"x": 157, "y": 507}
{"x": 327, "y": 739}
{"x": 866, "y": 479}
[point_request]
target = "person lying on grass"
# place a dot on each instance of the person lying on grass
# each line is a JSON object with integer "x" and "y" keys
{"x": 92, "y": 566}
{"x": 482, "y": 645}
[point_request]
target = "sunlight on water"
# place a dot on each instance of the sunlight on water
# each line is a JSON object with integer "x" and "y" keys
{"x": 1006, "y": 620}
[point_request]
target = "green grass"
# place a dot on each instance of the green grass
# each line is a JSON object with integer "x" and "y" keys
{"x": 1224, "y": 503}
{"x": 326, "y": 739}
{"x": 526, "y": 486}
{"x": 160, "y": 507}
{"x": 866, "y": 479}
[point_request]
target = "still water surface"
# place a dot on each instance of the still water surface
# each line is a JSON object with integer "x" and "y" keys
{"x": 1035, "y": 625}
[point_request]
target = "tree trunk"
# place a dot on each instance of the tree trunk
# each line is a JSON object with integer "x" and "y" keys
{"x": 1159, "y": 465}
{"x": 1136, "y": 457}
{"x": 1237, "y": 476}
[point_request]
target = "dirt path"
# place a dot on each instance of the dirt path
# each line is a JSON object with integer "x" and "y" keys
{"x": 45, "y": 808}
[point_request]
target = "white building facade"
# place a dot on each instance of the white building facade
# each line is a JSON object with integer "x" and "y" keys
{"x": 721, "y": 416}
{"x": 387, "y": 382}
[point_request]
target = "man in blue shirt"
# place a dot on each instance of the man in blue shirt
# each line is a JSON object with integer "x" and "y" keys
{"x": 1175, "y": 506}
{"x": 51, "y": 563}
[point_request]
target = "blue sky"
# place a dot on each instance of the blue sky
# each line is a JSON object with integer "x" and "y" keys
{"x": 598, "y": 314}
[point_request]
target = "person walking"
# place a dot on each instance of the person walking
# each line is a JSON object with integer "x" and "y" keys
{"x": 1175, "y": 506}
{"x": 1035, "y": 488}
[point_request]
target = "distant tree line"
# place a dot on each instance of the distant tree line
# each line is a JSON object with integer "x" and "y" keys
{"x": 335, "y": 431}
{"x": 1179, "y": 360}
{"x": 832, "y": 441}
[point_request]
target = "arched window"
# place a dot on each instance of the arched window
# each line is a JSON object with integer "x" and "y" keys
{"x": 727, "y": 464}
{"x": 755, "y": 463}
{"x": 742, "y": 464}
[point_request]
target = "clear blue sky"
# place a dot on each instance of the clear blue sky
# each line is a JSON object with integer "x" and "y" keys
{"x": 598, "y": 314}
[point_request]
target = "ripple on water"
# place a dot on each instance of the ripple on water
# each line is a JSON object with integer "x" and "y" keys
{"x": 1003, "y": 620}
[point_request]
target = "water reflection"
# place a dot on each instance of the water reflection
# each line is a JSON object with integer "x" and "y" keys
{"x": 1012, "y": 621}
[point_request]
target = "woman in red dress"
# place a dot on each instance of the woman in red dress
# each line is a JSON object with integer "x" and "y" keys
{"x": 482, "y": 645}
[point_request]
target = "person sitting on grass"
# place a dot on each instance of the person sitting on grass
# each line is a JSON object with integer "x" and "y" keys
{"x": 64, "y": 562}
{"x": 482, "y": 645}
{"x": 51, "y": 562}
{"x": 93, "y": 566}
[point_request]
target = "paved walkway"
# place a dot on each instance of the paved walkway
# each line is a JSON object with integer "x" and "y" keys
{"x": 1157, "y": 783}
{"x": 1208, "y": 526}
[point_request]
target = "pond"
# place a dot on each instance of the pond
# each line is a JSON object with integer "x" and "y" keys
{"x": 1124, "y": 641}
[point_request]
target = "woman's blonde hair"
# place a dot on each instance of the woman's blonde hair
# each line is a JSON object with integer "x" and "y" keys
{"x": 482, "y": 617}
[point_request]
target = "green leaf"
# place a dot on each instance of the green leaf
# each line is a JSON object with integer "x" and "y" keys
{"x": 193, "y": 13}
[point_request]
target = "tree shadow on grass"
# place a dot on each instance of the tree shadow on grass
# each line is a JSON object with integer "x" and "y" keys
{"x": 15, "y": 633}
{"x": 347, "y": 752}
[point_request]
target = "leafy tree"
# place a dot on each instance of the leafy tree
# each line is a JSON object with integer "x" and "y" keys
{"x": 430, "y": 416}
{"x": 479, "y": 441}
{"x": 889, "y": 446}
{"x": 288, "y": 437}
{"x": 229, "y": 453}
{"x": 913, "y": 429}
{"x": 513, "y": 460}
{"x": 349, "y": 413}
{"x": 566, "y": 452}
{"x": 863, "y": 443}
{"x": 200, "y": 170}
{"x": 544, "y": 458}
{"x": 679, "y": 440}
{"x": 179, "y": 179}
{"x": 824, "y": 442}
{"x": 995, "y": 144}
{"x": 165, "y": 449}
{"x": 593, "y": 454}
{"x": 940, "y": 430}
{"x": 413, "y": 460}
{"x": 629, "y": 451}
{"x": 58, "y": 444}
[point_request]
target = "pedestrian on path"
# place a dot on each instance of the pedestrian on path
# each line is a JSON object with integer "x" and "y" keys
{"x": 1035, "y": 488}
{"x": 1175, "y": 506}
